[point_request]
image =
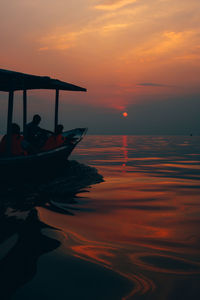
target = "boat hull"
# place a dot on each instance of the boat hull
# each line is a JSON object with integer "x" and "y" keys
{"x": 36, "y": 162}
{"x": 46, "y": 161}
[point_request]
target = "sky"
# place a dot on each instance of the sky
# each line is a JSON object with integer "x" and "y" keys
{"x": 136, "y": 56}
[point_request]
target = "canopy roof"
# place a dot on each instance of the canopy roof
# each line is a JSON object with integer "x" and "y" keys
{"x": 13, "y": 81}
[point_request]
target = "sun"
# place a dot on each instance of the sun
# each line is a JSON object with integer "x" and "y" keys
{"x": 125, "y": 114}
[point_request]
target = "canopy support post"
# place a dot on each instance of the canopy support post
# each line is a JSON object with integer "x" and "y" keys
{"x": 56, "y": 109}
{"x": 9, "y": 122}
{"x": 24, "y": 110}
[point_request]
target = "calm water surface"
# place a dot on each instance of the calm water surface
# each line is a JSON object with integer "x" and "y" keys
{"x": 134, "y": 236}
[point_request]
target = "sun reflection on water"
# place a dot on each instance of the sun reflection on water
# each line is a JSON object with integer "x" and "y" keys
{"x": 143, "y": 220}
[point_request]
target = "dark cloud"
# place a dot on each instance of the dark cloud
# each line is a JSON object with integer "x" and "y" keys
{"x": 153, "y": 84}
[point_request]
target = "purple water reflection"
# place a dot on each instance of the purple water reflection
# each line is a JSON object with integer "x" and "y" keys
{"x": 143, "y": 221}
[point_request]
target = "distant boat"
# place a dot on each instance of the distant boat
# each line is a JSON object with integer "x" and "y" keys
{"x": 10, "y": 82}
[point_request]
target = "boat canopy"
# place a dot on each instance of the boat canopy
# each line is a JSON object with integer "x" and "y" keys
{"x": 15, "y": 81}
{"x": 11, "y": 81}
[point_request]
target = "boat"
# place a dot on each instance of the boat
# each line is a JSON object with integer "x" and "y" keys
{"x": 11, "y": 81}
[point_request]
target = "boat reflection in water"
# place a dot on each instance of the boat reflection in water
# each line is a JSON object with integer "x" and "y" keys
{"x": 133, "y": 236}
{"x": 24, "y": 238}
{"x": 22, "y": 243}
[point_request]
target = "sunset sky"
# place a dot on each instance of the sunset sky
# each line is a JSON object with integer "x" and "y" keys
{"x": 136, "y": 56}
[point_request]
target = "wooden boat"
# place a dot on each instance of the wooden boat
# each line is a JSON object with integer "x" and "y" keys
{"x": 10, "y": 82}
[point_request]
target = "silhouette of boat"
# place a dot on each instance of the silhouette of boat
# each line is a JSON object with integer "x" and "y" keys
{"x": 10, "y": 82}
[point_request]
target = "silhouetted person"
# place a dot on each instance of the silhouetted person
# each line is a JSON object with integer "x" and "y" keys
{"x": 55, "y": 140}
{"x": 34, "y": 134}
{"x": 16, "y": 142}
{"x": 59, "y": 129}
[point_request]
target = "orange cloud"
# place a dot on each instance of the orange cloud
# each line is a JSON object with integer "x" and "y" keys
{"x": 168, "y": 44}
{"x": 61, "y": 41}
{"x": 113, "y": 5}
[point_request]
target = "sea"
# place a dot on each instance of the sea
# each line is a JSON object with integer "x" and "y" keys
{"x": 122, "y": 221}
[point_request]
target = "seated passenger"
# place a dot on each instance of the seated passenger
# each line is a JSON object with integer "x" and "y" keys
{"x": 35, "y": 135}
{"x": 55, "y": 140}
{"x": 16, "y": 142}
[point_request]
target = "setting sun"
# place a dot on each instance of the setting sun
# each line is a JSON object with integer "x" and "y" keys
{"x": 125, "y": 114}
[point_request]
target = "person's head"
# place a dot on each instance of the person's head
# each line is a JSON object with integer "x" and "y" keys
{"x": 15, "y": 128}
{"x": 36, "y": 119}
{"x": 59, "y": 129}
